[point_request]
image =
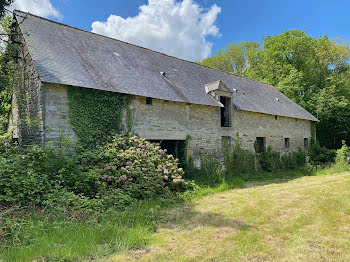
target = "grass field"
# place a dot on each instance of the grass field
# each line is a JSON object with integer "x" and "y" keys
{"x": 286, "y": 216}
{"x": 301, "y": 219}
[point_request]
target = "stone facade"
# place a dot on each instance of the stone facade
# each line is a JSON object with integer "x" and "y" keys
{"x": 56, "y": 113}
{"x": 26, "y": 118}
{"x": 249, "y": 125}
{"x": 167, "y": 120}
{"x": 176, "y": 121}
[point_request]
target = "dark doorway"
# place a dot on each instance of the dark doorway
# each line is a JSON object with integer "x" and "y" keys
{"x": 260, "y": 144}
{"x": 225, "y": 111}
{"x": 177, "y": 148}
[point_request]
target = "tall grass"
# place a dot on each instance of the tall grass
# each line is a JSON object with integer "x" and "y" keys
{"x": 32, "y": 234}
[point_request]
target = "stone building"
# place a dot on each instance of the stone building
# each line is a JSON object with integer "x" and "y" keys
{"x": 172, "y": 98}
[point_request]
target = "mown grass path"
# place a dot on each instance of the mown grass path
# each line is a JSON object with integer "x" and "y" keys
{"x": 305, "y": 219}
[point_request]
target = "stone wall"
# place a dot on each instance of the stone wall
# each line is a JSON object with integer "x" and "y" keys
{"x": 56, "y": 113}
{"x": 250, "y": 125}
{"x": 27, "y": 108}
{"x": 175, "y": 121}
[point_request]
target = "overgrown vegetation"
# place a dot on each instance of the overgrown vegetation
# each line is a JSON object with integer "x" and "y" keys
{"x": 239, "y": 163}
{"x": 111, "y": 176}
{"x": 96, "y": 115}
{"x": 320, "y": 154}
{"x": 7, "y": 72}
{"x": 64, "y": 204}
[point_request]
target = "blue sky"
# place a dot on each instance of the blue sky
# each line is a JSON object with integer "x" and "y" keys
{"x": 229, "y": 21}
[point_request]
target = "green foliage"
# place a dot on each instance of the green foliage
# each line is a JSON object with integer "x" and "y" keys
{"x": 313, "y": 72}
{"x": 238, "y": 160}
{"x": 270, "y": 160}
{"x": 137, "y": 167}
{"x": 294, "y": 160}
{"x": 3, "y": 5}
{"x": 115, "y": 175}
{"x": 237, "y": 58}
{"x": 33, "y": 234}
{"x": 7, "y": 74}
{"x": 319, "y": 154}
{"x": 313, "y": 130}
{"x": 96, "y": 115}
{"x": 31, "y": 175}
{"x": 343, "y": 154}
{"x": 209, "y": 174}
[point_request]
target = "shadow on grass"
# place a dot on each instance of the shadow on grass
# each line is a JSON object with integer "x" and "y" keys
{"x": 187, "y": 218}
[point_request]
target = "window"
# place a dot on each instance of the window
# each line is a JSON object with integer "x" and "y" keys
{"x": 286, "y": 142}
{"x": 225, "y": 112}
{"x": 306, "y": 142}
{"x": 148, "y": 100}
{"x": 276, "y": 117}
{"x": 260, "y": 141}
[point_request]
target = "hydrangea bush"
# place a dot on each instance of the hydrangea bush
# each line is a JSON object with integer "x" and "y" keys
{"x": 138, "y": 167}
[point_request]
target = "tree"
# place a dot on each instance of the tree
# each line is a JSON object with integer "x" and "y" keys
{"x": 3, "y": 5}
{"x": 313, "y": 72}
{"x": 7, "y": 71}
{"x": 237, "y": 58}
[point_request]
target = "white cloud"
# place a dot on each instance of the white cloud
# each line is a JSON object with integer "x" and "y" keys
{"x": 174, "y": 28}
{"x": 37, "y": 7}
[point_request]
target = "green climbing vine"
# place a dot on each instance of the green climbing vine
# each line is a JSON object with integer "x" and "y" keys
{"x": 95, "y": 115}
{"x": 129, "y": 119}
{"x": 313, "y": 130}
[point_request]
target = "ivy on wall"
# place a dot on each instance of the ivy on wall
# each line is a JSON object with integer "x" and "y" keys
{"x": 95, "y": 115}
{"x": 313, "y": 130}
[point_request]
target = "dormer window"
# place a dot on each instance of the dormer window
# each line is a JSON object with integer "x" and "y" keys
{"x": 225, "y": 112}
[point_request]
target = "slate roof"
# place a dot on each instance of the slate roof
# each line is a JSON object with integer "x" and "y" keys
{"x": 70, "y": 56}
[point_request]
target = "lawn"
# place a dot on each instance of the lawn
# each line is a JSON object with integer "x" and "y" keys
{"x": 301, "y": 219}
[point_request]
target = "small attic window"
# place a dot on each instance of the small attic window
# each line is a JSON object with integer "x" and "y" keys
{"x": 148, "y": 100}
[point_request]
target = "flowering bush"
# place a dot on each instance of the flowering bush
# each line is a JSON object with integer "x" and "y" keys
{"x": 114, "y": 175}
{"x": 138, "y": 167}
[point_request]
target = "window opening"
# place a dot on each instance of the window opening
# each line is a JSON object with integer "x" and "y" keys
{"x": 225, "y": 111}
{"x": 261, "y": 142}
{"x": 148, "y": 100}
{"x": 286, "y": 142}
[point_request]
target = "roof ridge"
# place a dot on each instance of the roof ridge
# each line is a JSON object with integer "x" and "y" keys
{"x": 85, "y": 31}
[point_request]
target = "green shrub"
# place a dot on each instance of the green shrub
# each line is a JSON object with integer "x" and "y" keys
{"x": 270, "y": 160}
{"x": 320, "y": 155}
{"x": 127, "y": 169}
{"x": 343, "y": 154}
{"x": 28, "y": 176}
{"x": 294, "y": 160}
{"x": 238, "y": 160}
{"x": 136, "y": 167}
{"x": 209, "y": 174}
